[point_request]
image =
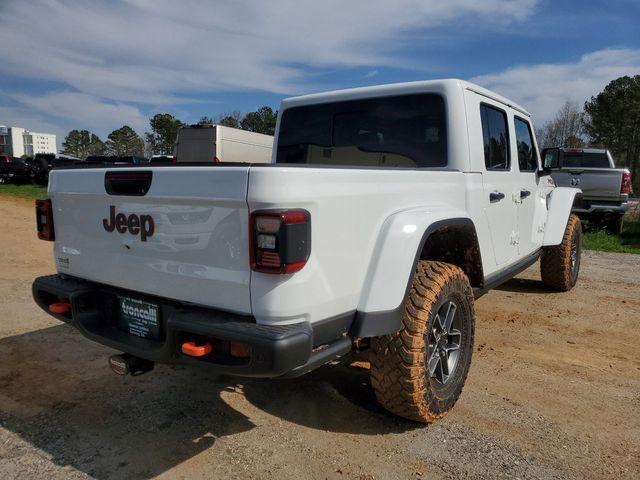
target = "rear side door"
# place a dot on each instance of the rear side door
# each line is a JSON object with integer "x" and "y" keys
{"x": 489, "y": 134}
{"x": 531, "y": 205}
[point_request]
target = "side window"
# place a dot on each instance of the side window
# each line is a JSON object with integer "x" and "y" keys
{"x": 526, "y": 150}
{"x": 495, "y": 132}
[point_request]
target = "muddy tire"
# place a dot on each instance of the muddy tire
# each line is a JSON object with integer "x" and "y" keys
{"x": 418, "y": 373}
{"x": 560, "y": 264}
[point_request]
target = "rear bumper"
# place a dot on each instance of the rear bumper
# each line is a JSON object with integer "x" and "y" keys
{"x": 601, "y": 208}
{"x": 275, "y": 350}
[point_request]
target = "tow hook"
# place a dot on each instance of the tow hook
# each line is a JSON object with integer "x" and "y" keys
{"x": 126, "y": 364}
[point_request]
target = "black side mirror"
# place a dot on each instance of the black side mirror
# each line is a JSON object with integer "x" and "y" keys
{"x": 550, "y": 159}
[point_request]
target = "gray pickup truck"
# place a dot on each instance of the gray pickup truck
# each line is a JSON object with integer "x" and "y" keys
{"x": 605, "y": 188}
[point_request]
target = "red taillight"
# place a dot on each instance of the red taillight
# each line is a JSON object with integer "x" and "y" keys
{"x": 280, "y": 240}
{"x": 625, "y": 186}
{"x": 44, "y": 219}
{"x": 216, "y": 159}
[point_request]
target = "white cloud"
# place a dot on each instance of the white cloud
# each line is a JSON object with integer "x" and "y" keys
{"x": 85, "y": 111}
{"x": 543, "y": 88}
{"x": 152, "y": 51}
{"x": 17, "y": 116}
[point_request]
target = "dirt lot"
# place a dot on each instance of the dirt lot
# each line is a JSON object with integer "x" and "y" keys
{"x": 553, "y": 392}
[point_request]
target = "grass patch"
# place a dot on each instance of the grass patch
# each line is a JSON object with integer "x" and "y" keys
{"x": 627, "y": 242}
{"x": 24, "y": 191}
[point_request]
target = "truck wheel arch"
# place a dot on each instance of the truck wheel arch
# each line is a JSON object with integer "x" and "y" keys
{"x": 456, "y": 233}
{"x": 560, "y": 203}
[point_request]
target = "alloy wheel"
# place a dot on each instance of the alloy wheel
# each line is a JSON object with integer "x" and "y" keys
{"x": 444, "y": 341}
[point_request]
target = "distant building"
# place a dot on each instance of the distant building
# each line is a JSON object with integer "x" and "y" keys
{"x": 18, "y": 141}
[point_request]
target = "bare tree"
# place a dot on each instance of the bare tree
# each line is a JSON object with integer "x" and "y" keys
{"x": 565, "y": 130}
{"x": 232, "y": 119}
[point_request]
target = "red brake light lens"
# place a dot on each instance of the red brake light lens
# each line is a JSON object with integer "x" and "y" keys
{"x": 44, "y": 220}
{"x": 280, "y": 240}
{"x": 625, "y": 187}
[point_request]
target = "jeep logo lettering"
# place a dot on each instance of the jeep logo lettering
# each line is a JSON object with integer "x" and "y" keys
{"x": 136, "y": 224}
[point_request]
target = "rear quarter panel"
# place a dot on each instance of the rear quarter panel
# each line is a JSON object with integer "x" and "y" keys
{"x": 349, "y": 208}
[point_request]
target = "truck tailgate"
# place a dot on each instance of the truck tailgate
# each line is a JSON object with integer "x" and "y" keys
{"x": 595, "y": 183}
{"x": 186, "y": 238}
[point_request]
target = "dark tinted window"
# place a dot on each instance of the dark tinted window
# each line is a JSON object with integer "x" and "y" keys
{"x": 403, "y": 131}
{"x": 526, "y": 150}
{"x": 585, "y": 160}
{"x": 495, "y": 133}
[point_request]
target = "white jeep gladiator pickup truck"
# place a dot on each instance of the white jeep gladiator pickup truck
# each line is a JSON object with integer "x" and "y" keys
{"x": 385, "y": 212}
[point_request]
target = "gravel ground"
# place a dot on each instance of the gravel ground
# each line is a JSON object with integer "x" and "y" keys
{"x": 553, "y": 392}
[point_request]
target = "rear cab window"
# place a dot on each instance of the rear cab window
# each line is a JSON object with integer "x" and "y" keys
{"x": 401, "y": 131}
{"x": 581, "y": 159}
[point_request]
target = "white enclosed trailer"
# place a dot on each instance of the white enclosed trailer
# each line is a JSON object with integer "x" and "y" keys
{"x": 216, "y": 144}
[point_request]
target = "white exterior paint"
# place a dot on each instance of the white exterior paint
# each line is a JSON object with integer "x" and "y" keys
{"x": 20, "y": 141}
{"x": 560, "y": 202}
{"x": 203, "y": 143}
{"x": 366, "y": 223}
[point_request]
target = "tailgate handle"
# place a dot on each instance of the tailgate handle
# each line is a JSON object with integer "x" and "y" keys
{"x": 127, "y": 183}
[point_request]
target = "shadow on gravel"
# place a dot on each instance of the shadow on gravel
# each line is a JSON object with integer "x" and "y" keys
{"x": 336, "y": 398}
{"x": 523, "y": 285}
{"x": 58, "y": 394}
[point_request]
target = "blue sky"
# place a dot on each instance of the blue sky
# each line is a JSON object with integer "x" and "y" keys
{"x": 98, "y": 65}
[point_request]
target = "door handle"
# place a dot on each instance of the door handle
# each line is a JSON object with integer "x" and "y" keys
{"x": 524, "y": 193}
{"x": 496, "y": 197}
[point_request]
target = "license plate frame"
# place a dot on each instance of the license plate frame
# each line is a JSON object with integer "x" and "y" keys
{"x": 139, "y": 317}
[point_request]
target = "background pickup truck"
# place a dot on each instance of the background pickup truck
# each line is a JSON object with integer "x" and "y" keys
{"x": 13, "y": 169}
{"x": 605, "y": 188}
{"x": 385, "y": 211}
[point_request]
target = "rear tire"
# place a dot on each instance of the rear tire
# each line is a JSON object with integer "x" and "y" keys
{"x": 560, "y": 264}
{"x": 418, "y": 372}
{"x": 614, "y": 224}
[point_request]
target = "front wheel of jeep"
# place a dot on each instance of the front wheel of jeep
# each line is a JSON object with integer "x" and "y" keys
{"x": 560, "y": 264}
{"x": 418, "y": 372}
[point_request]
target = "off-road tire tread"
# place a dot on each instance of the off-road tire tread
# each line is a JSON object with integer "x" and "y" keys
{"x": 555, "y": 264}
{"x": 398, "y": 371}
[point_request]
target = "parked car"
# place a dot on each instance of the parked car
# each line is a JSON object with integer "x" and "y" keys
{"x": 43, "y": 163}
{"x": 13, "y": 169}
{"x": 387, "y": 211}
{"x": 605, "y": 188}
{"x": 217, "y": 143}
